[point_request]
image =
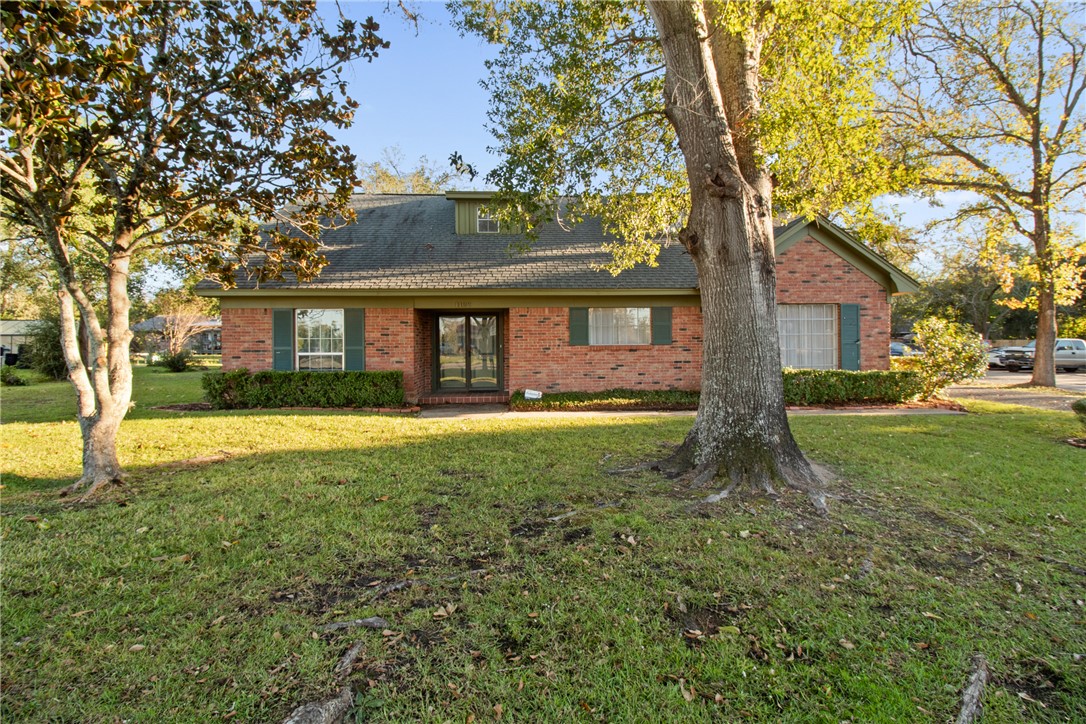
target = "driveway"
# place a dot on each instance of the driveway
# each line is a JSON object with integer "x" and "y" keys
{"x": 1002, "y": 386}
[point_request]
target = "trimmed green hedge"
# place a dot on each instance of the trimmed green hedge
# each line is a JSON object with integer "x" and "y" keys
{"x": 845, "y": 387}
{"x": 801, "y": 388}
{"x": 617, "y": 399}
{"x": 241, "y": 389}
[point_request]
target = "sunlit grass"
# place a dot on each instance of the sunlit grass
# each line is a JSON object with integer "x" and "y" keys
{"x": 239, "y": 534}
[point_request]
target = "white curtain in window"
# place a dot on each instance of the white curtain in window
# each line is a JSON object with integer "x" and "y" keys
{"x": 808, "y": 335}
{"x": 626, "y": 325}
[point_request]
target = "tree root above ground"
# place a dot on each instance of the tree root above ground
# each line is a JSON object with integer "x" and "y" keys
{"x": 759, "y": 474}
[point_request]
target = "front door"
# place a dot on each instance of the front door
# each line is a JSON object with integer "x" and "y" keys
{"x": 467, "y": 352}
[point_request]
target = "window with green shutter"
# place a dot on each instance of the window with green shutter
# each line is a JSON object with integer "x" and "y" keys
{"x": 661, "y": 325}
{"x": 283, "y": 339}
{"x": 578, "y": 326}
{"x": 850, "y": 336}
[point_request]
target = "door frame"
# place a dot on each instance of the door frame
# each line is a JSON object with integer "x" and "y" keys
{"x": 435, "y": 351}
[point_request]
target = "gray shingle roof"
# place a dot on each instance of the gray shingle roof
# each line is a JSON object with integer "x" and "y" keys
{"x": 401, "y": 242}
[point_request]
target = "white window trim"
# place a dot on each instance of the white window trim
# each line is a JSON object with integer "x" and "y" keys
{"x": 647, "y": 328}
{"x": 298, "y": 354}
{"x": 480, "y": 217}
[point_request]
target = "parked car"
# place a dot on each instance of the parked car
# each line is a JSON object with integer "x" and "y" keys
{"x": 995, "y": 358}
{"x": 1070, "y": 355}
{"x": 900, "y": 349}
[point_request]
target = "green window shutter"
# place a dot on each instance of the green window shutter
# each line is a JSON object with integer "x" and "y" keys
{"x": 354, "y": 339}
{"x": 850, "y": 336}
{"x": 661, "y": 325}
{"x": 283, "y": 339}
{"x": 578, "y": 326}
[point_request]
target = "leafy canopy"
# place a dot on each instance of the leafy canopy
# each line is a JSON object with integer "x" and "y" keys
{"x": 577, "y": 110}
{"x": 190, "y": 124}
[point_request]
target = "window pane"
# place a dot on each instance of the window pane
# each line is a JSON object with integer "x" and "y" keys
{"x": 319, "y": 339}
{"x": 623, "y": 325}
{"x": 320, "y": 362}
{"x": 808, "y": 335}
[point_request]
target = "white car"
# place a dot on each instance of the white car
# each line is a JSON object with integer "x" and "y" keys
{"x": 1070, "y": 355}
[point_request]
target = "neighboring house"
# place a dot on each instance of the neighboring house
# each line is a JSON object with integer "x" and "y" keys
{"x": 14, "y": 333}
{"x": 206, "y": 340}
{"x": 429, "y": 285}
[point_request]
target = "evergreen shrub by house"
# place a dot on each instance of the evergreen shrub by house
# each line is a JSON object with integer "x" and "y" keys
{"x": 240, "y": 389}
{"x": 846, "y": 387}
{"x": 801, "y": 387}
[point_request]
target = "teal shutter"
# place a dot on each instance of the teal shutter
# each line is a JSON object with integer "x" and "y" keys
{"x": 578, "y": 326}
{"x": 283, "y": 339}
{"x": 850, "y": 336}
{"x": 354, "y": 339}
{"x": 661, "y": 325}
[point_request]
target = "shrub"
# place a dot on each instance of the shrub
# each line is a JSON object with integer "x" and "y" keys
{"x": 8, "y": 378}
{"x": 609, "y": 400}
{"x": 952, "y": 353}
{"x": 801, "y": 387}
{"x": 43, "y": 347}
{"x": 177, "y": 362}
{"x": 1079, "y": 408}
{"x": 846, "y": 387}
{"x": 243, "y": 389}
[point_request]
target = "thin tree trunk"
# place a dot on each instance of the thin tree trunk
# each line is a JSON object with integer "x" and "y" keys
{"x": 104, "y": 390}
{"x": 1044, "y": 370}
{"x": 741, "y": 434}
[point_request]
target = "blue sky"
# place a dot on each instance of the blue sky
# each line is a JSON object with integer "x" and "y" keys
{"x": 422, "y": 94}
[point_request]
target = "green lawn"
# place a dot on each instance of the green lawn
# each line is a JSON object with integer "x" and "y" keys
{"x": 195, "y": 592}
{"x": 48, "y": 401}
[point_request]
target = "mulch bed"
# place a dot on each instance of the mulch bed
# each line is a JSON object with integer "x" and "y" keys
{"x": 205, "y": 407}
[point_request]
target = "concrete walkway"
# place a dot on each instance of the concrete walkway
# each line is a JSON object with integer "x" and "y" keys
{"x": 486, "y": 412}
{"x": 1014, "y": 396}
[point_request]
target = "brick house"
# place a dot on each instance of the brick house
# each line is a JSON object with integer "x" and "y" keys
{"x": 428, "y": 284}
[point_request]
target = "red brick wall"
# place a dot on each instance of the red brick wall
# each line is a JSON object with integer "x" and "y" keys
{"x": 422, "y": 374}
{"x": 539, "y": 355}
{"x": 391, "y": 345}
{"x": 536, "y": 339}
{"x": 247, "y": 339}
{"x": 809, "y": 273}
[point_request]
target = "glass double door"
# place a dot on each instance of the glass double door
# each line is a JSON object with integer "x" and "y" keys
{"x": 467, "y": 352}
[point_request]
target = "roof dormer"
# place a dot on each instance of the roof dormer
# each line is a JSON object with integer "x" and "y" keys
{"x": 471, "y": 214}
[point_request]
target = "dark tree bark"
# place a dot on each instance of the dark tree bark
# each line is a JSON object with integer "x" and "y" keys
{"x": 741, "y": 434}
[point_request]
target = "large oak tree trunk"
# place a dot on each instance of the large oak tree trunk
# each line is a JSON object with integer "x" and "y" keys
{"x": 741, "y": 435}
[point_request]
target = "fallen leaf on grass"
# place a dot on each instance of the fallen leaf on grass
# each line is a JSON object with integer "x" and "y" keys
{"x": 498, "y": 711}
{"x": 744, "y": 534}
{"x": 845, "y": 643}
{"x": 382, "y": 499}
{"x": 136, "y": 647}
{"x": 444, "y": 611}
{"x": 533, "y": 614}
{"x": 928, "y": 614}
{"x": 1026, "y": 697}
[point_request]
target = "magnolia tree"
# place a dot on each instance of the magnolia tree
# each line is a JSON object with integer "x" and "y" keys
{"x": 694, "y": 122}
{"x": 196, "y": 131}
{"x": 988, "y": 98}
